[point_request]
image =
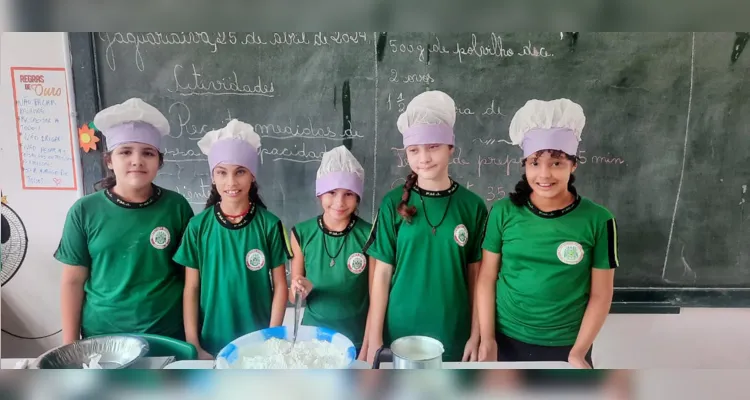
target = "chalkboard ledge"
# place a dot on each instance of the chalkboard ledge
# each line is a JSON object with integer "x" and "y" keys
{"x": 671, "y": 300}
{"x": 667, "y": 299}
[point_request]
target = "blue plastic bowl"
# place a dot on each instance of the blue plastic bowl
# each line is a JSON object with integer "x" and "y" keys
{"x": 229, "y": 356}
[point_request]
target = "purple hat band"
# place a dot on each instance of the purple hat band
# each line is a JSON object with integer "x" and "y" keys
{"x": 339, "y": 180}
{"x": 562, "y": 139}
{"x": 428, "y": 134}
{"x": 132, "y": 132}
{"x": 235, "y": 152}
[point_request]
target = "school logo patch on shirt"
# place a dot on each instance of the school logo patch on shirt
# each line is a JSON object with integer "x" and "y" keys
{"x": 461, "y": 235}
{"x": 570, "y": 253}
{"x": 356, "y": 263}
{"x": 160, "y": 238}
{"x": 255, "y": 260}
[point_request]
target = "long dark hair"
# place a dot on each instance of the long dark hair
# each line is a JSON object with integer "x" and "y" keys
{"x": 403, "y": 209}
{"x": 215, "y": 197}
{"x": 109, "y": 181}
{"x": 523, "y": 190}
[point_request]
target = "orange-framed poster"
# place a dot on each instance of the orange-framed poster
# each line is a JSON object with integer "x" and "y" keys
{"x": 44, "y": 127}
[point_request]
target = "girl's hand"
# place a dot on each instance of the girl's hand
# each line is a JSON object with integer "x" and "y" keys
{"x": 578, "y": 360}
{"x": 487, "y": 350}
{"x": 301, "y": 287}
{"x": 204, "y": 355}
{"x": 471, "y": 350}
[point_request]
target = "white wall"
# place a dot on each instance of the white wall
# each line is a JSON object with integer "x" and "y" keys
{"x": 696, "y": 338}
{"x": 30, "y": 300}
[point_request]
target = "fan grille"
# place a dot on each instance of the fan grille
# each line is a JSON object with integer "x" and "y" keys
{"x": 15, "y": 244}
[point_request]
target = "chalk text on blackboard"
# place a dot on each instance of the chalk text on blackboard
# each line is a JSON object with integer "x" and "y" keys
{"x": 212, "y": 40}
{"x": 309, "y": 131}
{"x": 195, "y": 196}
{"x": 608, "y": 159}
{"x": 419, "y": 49}
{"x": 410, "y": 78}
{"x": 298, "y": 154}
{"x": 183, "y": 117}
{"x": 490, "y": 141}
{"x": 475, "y": 49}
{"x": 498, "y": 162}
{"x": 199, "y": 86}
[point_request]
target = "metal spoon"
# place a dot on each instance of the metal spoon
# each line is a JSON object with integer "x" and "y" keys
{"x": 297, "y": 307}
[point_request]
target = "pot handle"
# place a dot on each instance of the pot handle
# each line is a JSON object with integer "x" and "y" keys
{"x": 383, "y": 354}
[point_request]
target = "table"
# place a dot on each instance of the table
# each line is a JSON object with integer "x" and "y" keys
{"x": 144, "y": 363}
{"x": 202, "y": 364}
{"x": 169, "y": 363}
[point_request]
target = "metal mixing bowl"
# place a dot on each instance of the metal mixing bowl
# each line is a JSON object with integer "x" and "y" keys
{"x": 117, "y": 352}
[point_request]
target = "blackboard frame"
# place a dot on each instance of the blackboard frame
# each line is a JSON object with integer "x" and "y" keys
{"x": 626, "y": 300}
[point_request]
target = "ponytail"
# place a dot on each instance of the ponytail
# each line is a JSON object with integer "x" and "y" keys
{"x": 109, "y": 181}
{"x": 214, "y": 197}
{"x": 403, "y": 209}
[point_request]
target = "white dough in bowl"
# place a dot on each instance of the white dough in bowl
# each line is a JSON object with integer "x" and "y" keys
{"x": 309, "y": 354}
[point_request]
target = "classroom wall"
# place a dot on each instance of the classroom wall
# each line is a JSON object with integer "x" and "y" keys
{"x": 30, "y": 300}
{"x": 696, "y": 338}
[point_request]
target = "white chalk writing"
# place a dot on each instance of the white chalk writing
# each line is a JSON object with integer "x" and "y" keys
{"x": 505, "y": 164}
{"x": 490, "y": 141}
{"x": 198, "y": 86}
{"x": 476, "y": 48}
{"x": 410, "y": 78}
{"x": 182, "y": 111}
{"x": 198, "y": 196}
{"x": 211, "y": 40}
{"x": 298, "y": 153}
{"x": 608, "y": 159}
{"x": 421, "y": 50}
{"x": 400, "y": 103}
{"x": 215, "y": 40}
{"x": 308, "y": 131}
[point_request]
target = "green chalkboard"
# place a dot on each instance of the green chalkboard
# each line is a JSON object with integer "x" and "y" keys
{"x": 664, "y": 145}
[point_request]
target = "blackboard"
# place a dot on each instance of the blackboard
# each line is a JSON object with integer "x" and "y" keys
{"x": 664, "y": 147}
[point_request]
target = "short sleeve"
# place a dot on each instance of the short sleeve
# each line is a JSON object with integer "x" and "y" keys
{"x": 295, "y": 234}
{"x": 279, "y": 248}
{"x": 381, "y": 244}
{"x": 73, "y": 248}
{"x": 605, "y": 249}
{"x": 187, "y": 253}
{"x": 475, "y": 237}
{"x": 492, "y": 238}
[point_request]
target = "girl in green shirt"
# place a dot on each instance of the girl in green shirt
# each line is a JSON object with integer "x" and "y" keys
{"x": 234, "y": 251}
{"x": 117, "y": 243}
{"x": 547, "y": 276}
{"x": 426, "y": 241}
{"x": 328, "y": 252}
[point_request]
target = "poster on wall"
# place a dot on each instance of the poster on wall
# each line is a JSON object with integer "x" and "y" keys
{"x": 45, "y": 131}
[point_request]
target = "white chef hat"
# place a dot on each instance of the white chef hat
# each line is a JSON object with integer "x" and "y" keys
{"x": 236, "y": 144}
{"x": 132, "y": 121}
{"x": 339, "y": 169}
{"x": 428, "y": 119}
{"x": 548, "y": 125}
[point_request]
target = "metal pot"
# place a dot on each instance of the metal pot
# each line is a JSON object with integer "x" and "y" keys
{"x": 411, "y": 352}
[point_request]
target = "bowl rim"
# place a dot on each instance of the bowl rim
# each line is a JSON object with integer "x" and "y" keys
{"x": 145, "y": 348}
{"x": 233, "y": 346}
